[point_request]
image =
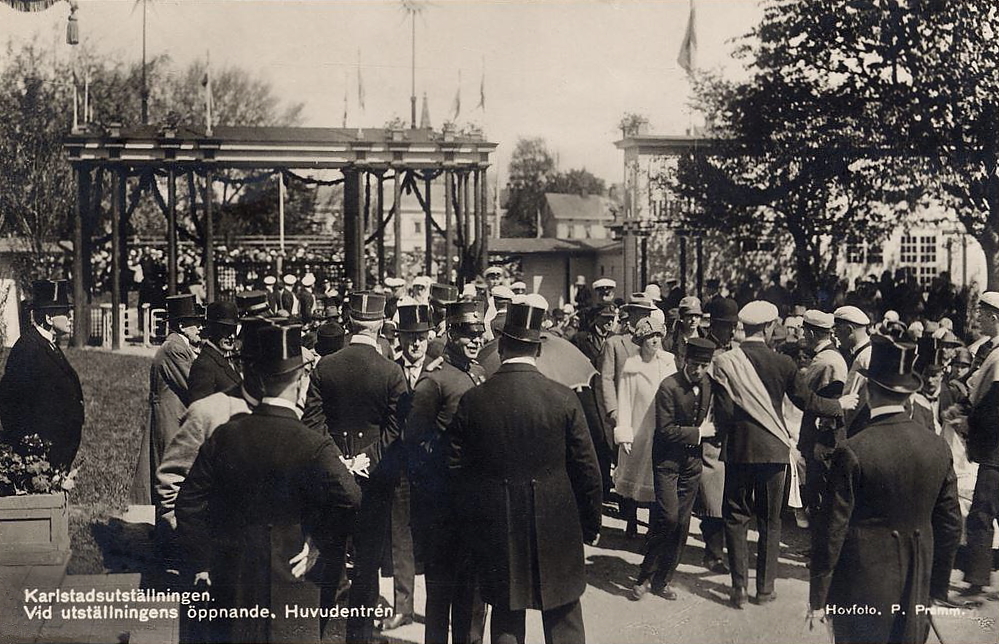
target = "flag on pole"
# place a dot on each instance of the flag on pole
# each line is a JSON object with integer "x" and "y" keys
{"x": 456, "y": 105}
{"x": 688, "y": 50}
{"x": 206, "y": 82}
{"x": 360, "y": 83}
{"x": 482, "y": 88}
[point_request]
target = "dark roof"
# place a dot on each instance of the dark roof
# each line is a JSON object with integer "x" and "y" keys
{"x": 574, "y": 206}
{"x": 529, "y": 245}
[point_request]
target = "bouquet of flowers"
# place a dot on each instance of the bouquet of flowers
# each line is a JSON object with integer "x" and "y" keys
{"x": 26, "y": 469}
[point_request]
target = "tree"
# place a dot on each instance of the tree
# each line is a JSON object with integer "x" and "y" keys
{"x": 578, "y": 181}
{"x": 531, "y": 167}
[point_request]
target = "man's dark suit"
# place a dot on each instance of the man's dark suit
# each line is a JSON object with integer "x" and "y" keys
{"x": 40, "y": 393}
{"x": 871, "y": 550}
{"x": 287, "y": 299}
{"x": 595, "y": 406}
{"x": 211, "y": 373}
{"x": 983, "y": 448}
{"x": 306, "y": 304}
{"x": 529, "y": 493}
{"x": 361, "y": 398}
{"x": 676, "y": 464}
{"x": 260, "y": 485}
{"x": 756, "y": 463}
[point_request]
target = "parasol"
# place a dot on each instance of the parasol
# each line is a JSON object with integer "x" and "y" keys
{"x": 560, "y": 360}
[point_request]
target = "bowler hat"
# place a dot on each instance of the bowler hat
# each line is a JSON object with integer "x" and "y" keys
{"x": 891, "y": 365}
{"x": 414, "y": 318}
{"x": 182, "y": 307}
{"x": 723, "y": 309}
{"x": 700, "y": 350}
{"x": 366, "y": 306}
{"x": 222, "y": 313}
{"x": 465, "y": 314}
{"x": 50, "y": 294}
{"x": 251, "y": 303}
{"x": 524, "y": 317}
{"x": 249, "y": 337}
{"x": 330, "y": 337}
{"x": 280, "y": 349}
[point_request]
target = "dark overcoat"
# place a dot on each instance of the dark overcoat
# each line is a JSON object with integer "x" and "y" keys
{"x": 211, "y": 373}
{"x": 887, "y": 531}
{"x": 260, "y": 484}
{"x": 40, "y": 393}
{"x": 528, "y": 485}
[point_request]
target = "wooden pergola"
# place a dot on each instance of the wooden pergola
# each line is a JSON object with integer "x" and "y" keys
{"x": 417, "y": 156}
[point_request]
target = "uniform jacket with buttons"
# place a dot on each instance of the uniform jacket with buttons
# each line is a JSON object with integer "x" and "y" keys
{"x": 680, "y": 410}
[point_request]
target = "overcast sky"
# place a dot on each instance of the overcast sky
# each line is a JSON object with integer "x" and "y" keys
{"x": 562, "y": 70}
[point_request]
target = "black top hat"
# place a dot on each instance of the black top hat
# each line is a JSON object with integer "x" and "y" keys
{"x": 465, "y": 314}
{"x": 366, "y": 306}
{"x": 927, "y": 353}
{"x": 280, "y": 349}
{"x": 182, "y": 307}
{"x": 523, "y": 320}
{"x": 700, "y": 350}
{"x": 50, "y": 294}
{"x": 891, "y": 365}
{"x": 414, "y": 318}
{"x": 443, "y": 293}
{"x": 723, "y": 309}
{"x": 251, "y": 303}
{"x": 329, "y": 338}
{"x": 222, "y": 313}
{"x": 249, "y": 337}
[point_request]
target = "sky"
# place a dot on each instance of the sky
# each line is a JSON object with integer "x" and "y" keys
{"x": 563, "y": 70}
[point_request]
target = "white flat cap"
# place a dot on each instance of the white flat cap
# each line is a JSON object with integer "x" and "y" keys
{"x": 469, "y": 291}
{"x": 533, "y": 300}
{"x": 394, "y": 282}
{"x": 605, "y": 282}
{"x": 493, "y": 270}
{"x": 758, "y": 312}
{"x": 853, "y": 315}
{"x": 891, "y": 316}
{"x": 990, "y": 299}
{"x": 270, "y": 280}
{"x": 818, "y": 319}
{"x": 422, "y": 280}
{"x": 308, "y": 279}
{"x": 290, "y": 279}
{"x": 518, "y": 286}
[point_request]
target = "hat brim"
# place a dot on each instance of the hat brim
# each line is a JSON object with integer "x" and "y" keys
{"x": 533, "y": 337}
{"x": 419, "y": 328}
{"x": 360, "y": 316}
{"x": 905, "y": 384}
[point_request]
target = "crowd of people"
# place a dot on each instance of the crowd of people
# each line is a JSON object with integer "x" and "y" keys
{"x": 419, "y": 427}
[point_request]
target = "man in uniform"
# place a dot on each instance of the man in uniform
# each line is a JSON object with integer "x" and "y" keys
{"x": 520, "y": 288}
{"x": 749, "y": 385}
{"x": 682, "y": 403}
{"x": 214, "y": 370}
{"x": 889, "y": 525}
{"x": 289, "y": 301}
{"x": 421, "y": 288}
{"x": 40, "y": 392}
{"x": 850, "y": 328}
{"x": 528, "y": 487}
{"x": 273, "y": 293}
{"x": 360, "y": 396}
{"x": 169, "y": 395}
{"x": 451, "y": 592}
{"x": 247, "y": 539}
{"x": 307, "y": 299}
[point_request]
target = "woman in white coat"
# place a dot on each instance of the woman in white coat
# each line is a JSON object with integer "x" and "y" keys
{"x": 640, "y": 379}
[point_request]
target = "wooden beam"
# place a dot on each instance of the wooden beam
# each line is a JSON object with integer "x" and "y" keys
{"x": 428, "y": 255}
{"x": 351, "y": 222}
{"x": 171, "y": 231}
{"x": 380, "y": 239}
{"x": 210, "y": 283}
{"x": 117, "y": 213}
{"x": 397, "y": 222}
{"x": 448, "y": 227}
{"x": 81, "y": 319}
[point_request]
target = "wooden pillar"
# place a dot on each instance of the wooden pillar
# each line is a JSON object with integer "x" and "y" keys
{"x": 353, "y": 254}
{"x": 448, "y": 228}
{"x": 645, "y": 260}
{"x": 700, "y": 264}
{"x": 683, "y": 264}
{"x": 117, "y": 214}
{"x": 380, "y": 240}
{"x": 210, "y": 283}
{"x": 81, "y": 319}
{"x": 476, "y": 220}
{"x": 397, "y": 222}
{"x": 483, "y": 221}
{"x": 428, "y": 255}
{"x": 361, "y": 283}
{"x": 171, "y": 231}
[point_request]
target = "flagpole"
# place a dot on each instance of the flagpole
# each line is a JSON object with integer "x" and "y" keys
{"x": 412, "y": 90}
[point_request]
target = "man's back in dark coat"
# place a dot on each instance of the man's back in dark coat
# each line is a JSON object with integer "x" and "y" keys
{"x": 211, "y": 372}
{"x": 40, "y": 393}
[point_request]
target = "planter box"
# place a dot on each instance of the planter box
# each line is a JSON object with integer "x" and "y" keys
{"x": 34, "y": 529}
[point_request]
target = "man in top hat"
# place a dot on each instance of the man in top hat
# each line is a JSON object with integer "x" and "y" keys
{"x": 688, "y": 326}
{"x": 520, "y": 288}
{"x": 273, "y": 293}
{"x": 850, "y": 326}
{"x": 749, "y": 385}
{"x": 451, "y": 592}
{"x": 528, "y": 487}
{"x": 440, "y": 296}
{"x": 421, "y": 288}
{"x": 252, "y": 543}
{"x": 825, "y": 375}
{"x": 252, "y": 304}
{"x": 307, "y": 299}
{"x": 214, "y": 369}
{"x": 289, "y": 301}
{"x": 40, "y": 392}
{"x": 982, "y": 439}
{"x": 169, "y": 393}
{"x": 360, "y": 396}
{"x": 681, "y": 405}
{"x": 869, "y": 548}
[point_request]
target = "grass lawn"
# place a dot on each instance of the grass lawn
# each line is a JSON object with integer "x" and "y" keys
{"x": 116, "y": 390}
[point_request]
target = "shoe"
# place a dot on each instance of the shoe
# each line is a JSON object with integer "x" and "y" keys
{"x": 764, "y": 598}
{"x": 716, "y": 566}
{"x": 639, "y": 590}
{"x": 396, "y": 621}
{"x": 801, "y": 518}
{"x": 737, "y": 597}
{"x": 667, "y": 593}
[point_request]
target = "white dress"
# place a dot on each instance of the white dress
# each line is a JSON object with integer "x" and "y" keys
{"x": 636, "y": 423}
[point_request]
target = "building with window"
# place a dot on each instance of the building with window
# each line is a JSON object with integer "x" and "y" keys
{"x": 577, "y": 216}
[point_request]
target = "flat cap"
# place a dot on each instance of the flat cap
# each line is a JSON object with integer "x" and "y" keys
{"x": 605, "y": 282}
{"x": 493, "y": 270}
{"x": 422, "y": 280}
{"x": 819, "y": 319}
{"x": 990, "y": 299}
{"x": 851, "y": 314}
{"x": 270, "y": 280}
{"x": 518, "y": 286}
{"x": 394, "y": 282}
{"x": 690, "y": 305}
{"x": 290, "y": 279}
{"x": 758, "y": 312}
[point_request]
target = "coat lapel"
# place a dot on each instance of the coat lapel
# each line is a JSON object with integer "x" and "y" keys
{"x": 53, "y": 354}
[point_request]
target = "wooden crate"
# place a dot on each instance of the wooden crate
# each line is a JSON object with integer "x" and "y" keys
{"x": 34, "y": 529}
